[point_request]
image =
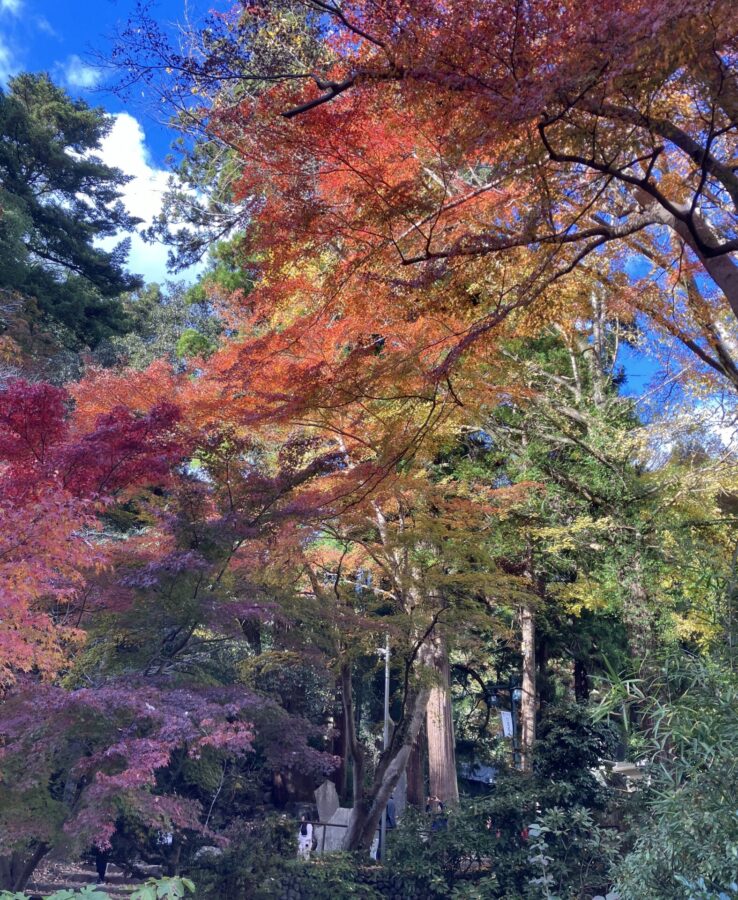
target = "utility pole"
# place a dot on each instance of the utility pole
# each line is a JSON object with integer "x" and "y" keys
{"x": 386, "y": 653}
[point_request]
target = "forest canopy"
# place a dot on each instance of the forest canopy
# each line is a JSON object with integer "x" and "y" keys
{"x": 377, "y": 498}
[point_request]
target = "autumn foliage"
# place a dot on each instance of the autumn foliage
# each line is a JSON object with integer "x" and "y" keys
{"x": 54, "y": 478}
{"x": 451, "y": 213}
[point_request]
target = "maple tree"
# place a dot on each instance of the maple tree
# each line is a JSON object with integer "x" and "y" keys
{"x": 496, "y": 149}
{"x": 470, "y": 171}
{"x": 244, "y": 522}
{"x": 130, "y": 603}
{"x": 396, "y": 563}
{"x": 96, "y": 755}
{"x": 53, "y": 478}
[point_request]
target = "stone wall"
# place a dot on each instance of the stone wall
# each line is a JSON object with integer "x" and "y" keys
{"x": 377, "y": 883}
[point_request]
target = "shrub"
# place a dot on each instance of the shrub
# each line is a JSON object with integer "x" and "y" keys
{"x": 252, "y": 864}
{"x": 686, "y": 845}
{"x": 154, "y": 889}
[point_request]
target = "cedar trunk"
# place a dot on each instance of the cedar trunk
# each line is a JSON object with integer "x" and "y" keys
{"x": 581, "y": 681}
{"x": 442, "y": 781}
{"x": 416, "y": 772}
{"x": 340, "y": 748}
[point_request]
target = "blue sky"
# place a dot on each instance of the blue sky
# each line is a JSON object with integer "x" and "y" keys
{"x": 62, "y": 37}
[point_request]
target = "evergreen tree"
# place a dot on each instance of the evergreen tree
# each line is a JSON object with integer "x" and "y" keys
{"x": 170, "y": 324}
{"x": 58, "y": 199}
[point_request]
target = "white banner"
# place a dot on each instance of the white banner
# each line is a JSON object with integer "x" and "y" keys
{"x": 507, "y": 722}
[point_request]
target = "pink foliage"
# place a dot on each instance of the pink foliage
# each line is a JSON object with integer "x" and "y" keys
{"x": 112, "y": 742}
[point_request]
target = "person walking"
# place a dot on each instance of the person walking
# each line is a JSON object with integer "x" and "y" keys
{"x": 101, "y": 863}
{"x": 304, "y": 838}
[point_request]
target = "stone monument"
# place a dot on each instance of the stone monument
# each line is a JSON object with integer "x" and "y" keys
{"x": 330, "y": 813}
{"x": 335, "y": 819}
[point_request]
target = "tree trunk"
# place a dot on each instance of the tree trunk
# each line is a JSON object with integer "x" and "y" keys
{"x": 528, "y": 699}
{"x": 638, "y": 617}
{"x": 340, "y": 748}
{"x": 368, "y": 805}
{"x": 722, "y": 269}
{"x": 416, "y": 773}
{"x": 442, "y": 781}
{"x": 581, "y": 681}
{"x": 354, "y": 748}
{"x": 546, "y": 693}
{"x": 596, "y": 353}
{"x": 16, "y": 868}
{"x": 367, "y": 813}
{"x": 252, "y": 632}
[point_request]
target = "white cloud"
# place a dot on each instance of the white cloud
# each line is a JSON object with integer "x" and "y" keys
{"x": 11, "y": 6}
{"x": 8, "y": 64}
{"x": 125, "y": 148}
{"x": 720, "y": 416}
{"x": 43, "y": 24}
{"x": 77, "y": 74}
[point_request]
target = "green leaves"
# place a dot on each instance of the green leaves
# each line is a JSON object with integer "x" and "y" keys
{"x": 58, "y": 200}
{"x": 570, "y": 853}
{"x": 154, "y": 889}
{"x": 686, "y": 846}
{"x": 164, "y": 889}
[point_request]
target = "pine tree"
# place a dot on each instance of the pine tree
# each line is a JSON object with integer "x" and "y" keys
{"x": 58, "y": 199}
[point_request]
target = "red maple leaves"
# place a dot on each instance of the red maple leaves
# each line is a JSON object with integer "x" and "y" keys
{"x": 53, "y": 479}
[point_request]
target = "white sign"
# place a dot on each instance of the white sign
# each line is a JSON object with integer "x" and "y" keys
{"x": 507, "y": 722}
